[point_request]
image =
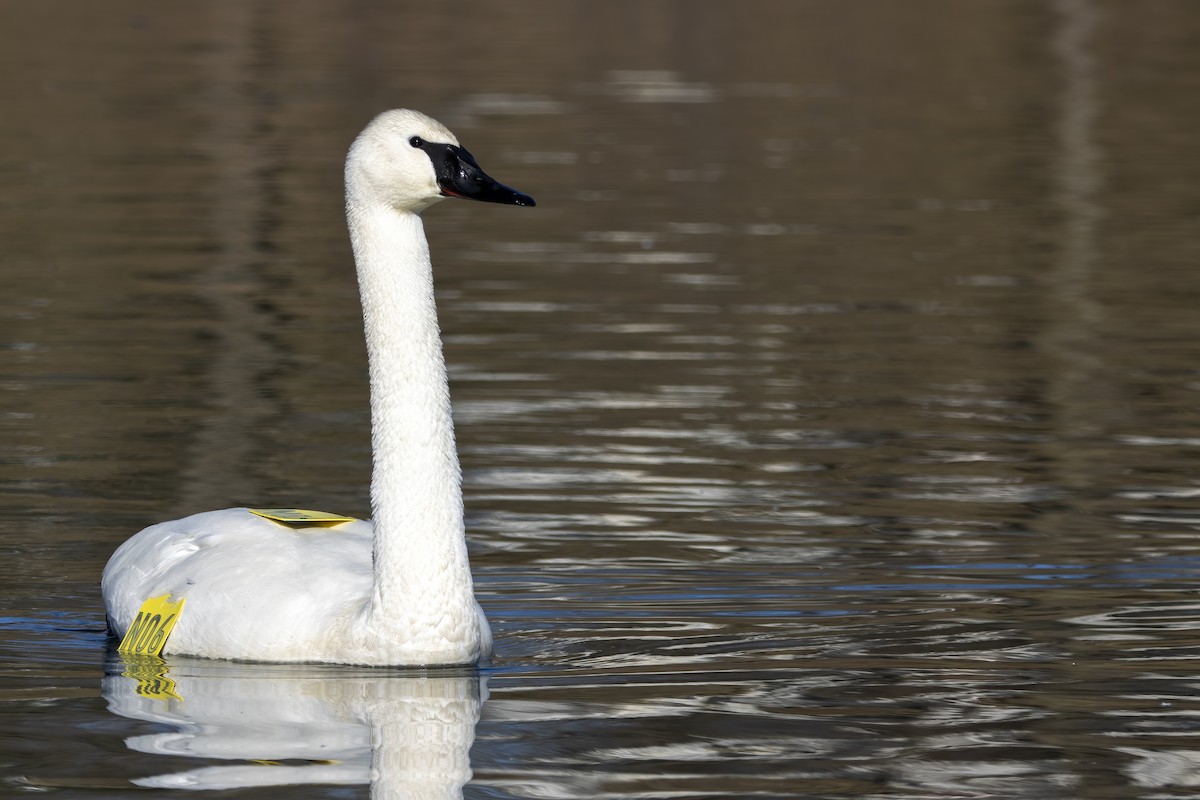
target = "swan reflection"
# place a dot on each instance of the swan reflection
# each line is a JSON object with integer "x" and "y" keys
{"x": 407, "y": 734}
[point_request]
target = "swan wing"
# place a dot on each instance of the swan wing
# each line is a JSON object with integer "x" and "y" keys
{"x": 255, "y": 589}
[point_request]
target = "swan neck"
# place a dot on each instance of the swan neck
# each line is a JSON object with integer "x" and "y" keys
{"x": 422, "y": 577}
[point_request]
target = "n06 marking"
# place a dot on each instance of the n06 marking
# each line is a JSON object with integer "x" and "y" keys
{"x": 148, "y": 634}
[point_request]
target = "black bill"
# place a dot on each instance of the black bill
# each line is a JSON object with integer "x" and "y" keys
{"x": 458, "y": 175}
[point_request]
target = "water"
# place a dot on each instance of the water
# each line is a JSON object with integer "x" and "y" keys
{"x": 829, "y": 428}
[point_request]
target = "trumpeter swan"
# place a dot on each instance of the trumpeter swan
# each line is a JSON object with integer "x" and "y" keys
{"x": 392, "y": 591}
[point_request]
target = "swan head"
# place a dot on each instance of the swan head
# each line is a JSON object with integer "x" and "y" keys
{"x": 409, "y": 161}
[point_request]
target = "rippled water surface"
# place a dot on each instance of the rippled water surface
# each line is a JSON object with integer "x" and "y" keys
{"x": 828, "y": 430}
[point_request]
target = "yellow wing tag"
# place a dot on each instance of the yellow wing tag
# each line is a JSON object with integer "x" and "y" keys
{"x": 151, "y": 627}
{"x": 299, "y": 517}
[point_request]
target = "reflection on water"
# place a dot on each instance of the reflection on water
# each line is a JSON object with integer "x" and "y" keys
{"x": 829, "y": 430}
{"x": 406, "y": 735}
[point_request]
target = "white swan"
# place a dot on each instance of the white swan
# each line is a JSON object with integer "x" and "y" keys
{"x": 396, "y": 591}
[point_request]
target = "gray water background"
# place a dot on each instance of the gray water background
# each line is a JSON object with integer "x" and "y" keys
{"x": 829, "y": 429}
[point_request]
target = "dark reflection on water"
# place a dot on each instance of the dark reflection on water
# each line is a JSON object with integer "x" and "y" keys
{"x": 829, "y": 429}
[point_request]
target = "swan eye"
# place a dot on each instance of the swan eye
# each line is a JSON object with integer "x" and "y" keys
{"x": 416, "y": 141}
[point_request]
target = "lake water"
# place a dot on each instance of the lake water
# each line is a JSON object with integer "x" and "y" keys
{"x": 829, "y": 430}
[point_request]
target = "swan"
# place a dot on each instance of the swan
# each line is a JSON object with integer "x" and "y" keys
{"x": 392, "y": 591}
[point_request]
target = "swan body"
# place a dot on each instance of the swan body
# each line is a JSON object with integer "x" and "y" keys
{"x": 395, "y": 590}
